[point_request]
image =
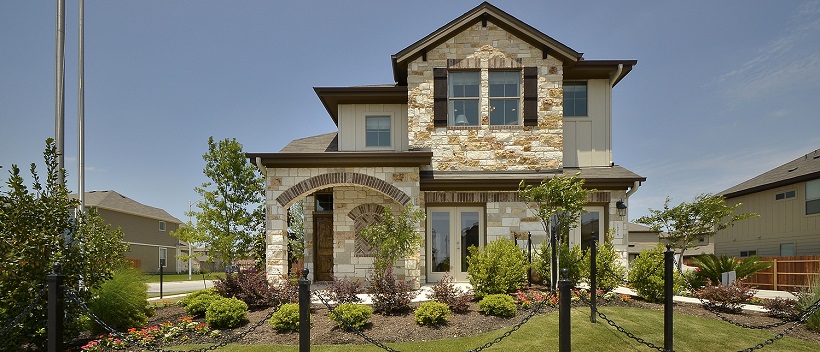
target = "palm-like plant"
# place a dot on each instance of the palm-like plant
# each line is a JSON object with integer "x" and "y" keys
{"x": 712, "y": 267}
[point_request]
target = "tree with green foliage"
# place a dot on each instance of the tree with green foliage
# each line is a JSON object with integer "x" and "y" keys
{"x": 559, "y": 202}
{"x": 38, "y": 228}
{"x": 610, "y": 273}
{"x": 231, "y": 213}
{"x": 687, "y": 223}
{"x": 393, "y": 237}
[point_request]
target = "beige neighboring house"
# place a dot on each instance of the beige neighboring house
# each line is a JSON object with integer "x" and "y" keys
{"x": 475, "y": 107}
{"x": 787, "y": 198}
{"x": 146, "y": 229}
{"x": 642, "y": 237}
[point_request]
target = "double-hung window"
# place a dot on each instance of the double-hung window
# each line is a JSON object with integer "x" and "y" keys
{"x": 813, "y": 197}
{"x": 377, "y": 131}
{"x": 504, "y": 97}
{"x": 463, "y": 89}
{"x": 575, "y": 99}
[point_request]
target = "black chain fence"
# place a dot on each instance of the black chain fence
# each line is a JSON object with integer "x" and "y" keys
{"x": 24, "y": 313}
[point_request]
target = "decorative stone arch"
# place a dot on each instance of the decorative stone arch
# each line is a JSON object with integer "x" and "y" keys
{"x": 364, "y": 215}
{"x": 335, "y": 178}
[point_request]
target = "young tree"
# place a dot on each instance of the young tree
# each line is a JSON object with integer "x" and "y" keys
{"x": 37, "y": 230}
{"x": 394, "y": 237}
{"x": 231, "y": 212}
{"x": 558, "y": 201}
{"x": 687, "y": 223}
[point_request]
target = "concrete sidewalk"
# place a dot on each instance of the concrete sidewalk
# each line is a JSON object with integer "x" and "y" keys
{"x": 177, "y": 287}
{"x": 751, "y": 307}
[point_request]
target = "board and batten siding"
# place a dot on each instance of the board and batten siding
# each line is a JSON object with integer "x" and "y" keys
{"x": 352, "y": 126}
{"x": 588, "y": 139}
{"x": 780, "y": 221}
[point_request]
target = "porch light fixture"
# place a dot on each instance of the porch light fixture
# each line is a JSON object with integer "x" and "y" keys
{"x": 621, "y": 208}
{"x": 461, "y": 120}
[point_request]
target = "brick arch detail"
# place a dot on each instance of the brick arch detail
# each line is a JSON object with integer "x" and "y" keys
{"x": 335, "y": 178}
{"x": 364, "y": 215}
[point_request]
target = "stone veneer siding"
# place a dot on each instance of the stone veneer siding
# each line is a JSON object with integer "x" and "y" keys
{"x": 487, "y": 147}
{"x": 388, "y": 186}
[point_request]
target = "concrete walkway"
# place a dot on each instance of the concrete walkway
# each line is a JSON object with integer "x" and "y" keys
{"x": 751, "y": 307}
{"x": 178, "y": 287}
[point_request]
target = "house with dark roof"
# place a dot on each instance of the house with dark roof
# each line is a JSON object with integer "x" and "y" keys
{"x": 787, "y": 198}
{"x": 475, "y": 107}
{"x": 641, "y": 237}
{"x": 146, "y": 229}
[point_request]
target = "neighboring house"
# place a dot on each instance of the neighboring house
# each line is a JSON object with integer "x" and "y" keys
{"x": 477, "y": 106}
{"x": 642, "y": 237}
{"x": 787, "y": 198}
{"x": 146, "y": 229}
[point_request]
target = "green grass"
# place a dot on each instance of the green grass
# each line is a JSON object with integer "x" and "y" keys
{"x": 154, "y": 278}
{"x": 541, "y": 334}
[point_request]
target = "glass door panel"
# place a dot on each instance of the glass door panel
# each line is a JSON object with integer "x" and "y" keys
{"x": 451, "y": 232}
{"x": 440, "y": 242}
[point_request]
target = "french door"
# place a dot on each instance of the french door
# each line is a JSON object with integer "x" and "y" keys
{"x": 591, "y": 224}
{"x": 450, "y": 232}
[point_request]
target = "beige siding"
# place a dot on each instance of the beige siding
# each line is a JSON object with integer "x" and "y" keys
{"x": 139, "y": 229}
{"x": 352, "y": 125}
{"x": 779, "y": 222}
{"x": 148, "y": 257}
{"x": 588, "y": 140}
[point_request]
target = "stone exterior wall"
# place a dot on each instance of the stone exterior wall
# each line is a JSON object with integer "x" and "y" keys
{"x": 487, "y": 147}
{"x": 396, "y": 186}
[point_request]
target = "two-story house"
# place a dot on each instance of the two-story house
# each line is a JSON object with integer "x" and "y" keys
{"x": 477, "y": 106}
{"x": 146, "y": 229}
{"x": 787, "y": 198}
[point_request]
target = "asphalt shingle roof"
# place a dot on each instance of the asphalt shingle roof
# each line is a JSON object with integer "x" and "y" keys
{"x": 804, "y": 168}
{"x": 111, "y": 200}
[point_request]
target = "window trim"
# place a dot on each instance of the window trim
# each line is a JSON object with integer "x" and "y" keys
{"x": 813, "y": 199}
{"x": 518, "y": 98}
{"x": 785, "y": 195}
{"x": 163, "y": 259}
{"x": 451, "y": 118}
{"x": 162, "y": 226}
{"x": 390, "y": 138}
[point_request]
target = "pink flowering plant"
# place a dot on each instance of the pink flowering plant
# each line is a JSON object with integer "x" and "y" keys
{"x": 182, "y": 329}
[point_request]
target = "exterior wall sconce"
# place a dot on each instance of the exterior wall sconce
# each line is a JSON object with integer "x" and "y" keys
{"x": 621, "y": 208}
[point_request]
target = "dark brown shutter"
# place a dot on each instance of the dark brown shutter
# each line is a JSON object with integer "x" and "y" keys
{"x": 440, "y": 97}
{"x": 530, "y": 96}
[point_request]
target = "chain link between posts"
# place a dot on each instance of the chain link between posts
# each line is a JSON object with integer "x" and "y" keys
{"x": 25, "y": 311}
{"x": 620, "y": 328}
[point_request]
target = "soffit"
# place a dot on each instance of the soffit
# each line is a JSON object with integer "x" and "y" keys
{"x": 331, "y": 97}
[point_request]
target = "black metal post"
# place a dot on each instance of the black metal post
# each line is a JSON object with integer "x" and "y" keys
{"x": 160, "y": 279}
{"x": 304, "y": 312}
{"x": 564, "y": 301}
{"x": 56, "y": 311}
{"x": 593, "y": 279}
{"x": 669, "y": 294}
{"x": 553, "y": 261}
{"x": 529, "y": 258}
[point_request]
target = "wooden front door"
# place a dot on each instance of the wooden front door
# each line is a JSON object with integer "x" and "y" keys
{"x": 323, "y": 246}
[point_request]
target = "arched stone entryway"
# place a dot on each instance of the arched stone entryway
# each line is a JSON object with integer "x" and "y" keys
{"x": 361, "y": 192}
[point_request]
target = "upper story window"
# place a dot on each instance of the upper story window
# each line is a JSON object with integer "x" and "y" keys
{"x": 162, "y": 225}
{"x": 377, "y": 131}
{"x": 504, "y": 97}
{"x": 575, "y": 99}
{"x": 785, "y": 195}
{"x": 813, "y": 197}
{"x": 463, "y": 106}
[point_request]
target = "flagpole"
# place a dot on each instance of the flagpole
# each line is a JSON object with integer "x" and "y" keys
{"x": 59, "y": 106}
{"x": 81, "y": 110}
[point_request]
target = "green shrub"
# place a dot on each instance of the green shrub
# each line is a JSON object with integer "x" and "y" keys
{"x": 807, "y": 298}
{"x": 500, "y": 305}
{"x": 354, "y": 315}
{"x": 572, "y": 258}
{"x": 500, "y": 267}
{"x": 610, "y": 273}
{"x": 694, "y": 279}
{"x": 193, "y": 295}
{"x": 646, "y": 275}
{"x": 198, "y": 305}
{"x": 432, "y": 313}
{"x": 286, "y": 318}
{"x": 122, "y": 301}
{"x": 712, "y": 267}
{"x": 226, "y": 313}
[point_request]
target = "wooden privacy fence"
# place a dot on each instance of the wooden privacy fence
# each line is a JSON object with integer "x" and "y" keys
{"x": 786, "y": 273}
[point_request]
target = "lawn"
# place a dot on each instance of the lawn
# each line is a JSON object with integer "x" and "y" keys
{"x": 541, "y": 334}
{"x": 154, "y": 278}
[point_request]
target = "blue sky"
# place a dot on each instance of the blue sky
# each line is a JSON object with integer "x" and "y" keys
{"x": 723, "y": 90}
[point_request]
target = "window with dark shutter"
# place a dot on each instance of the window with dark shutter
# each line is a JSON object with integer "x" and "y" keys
{"x": 530, "y": 96}
{"x": 440, "y": 97}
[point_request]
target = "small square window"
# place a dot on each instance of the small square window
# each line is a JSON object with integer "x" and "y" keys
{"x": 162, "y": 225}
{"x": 377, "y": 131}
{"x": 785, "y": 195}
{"x": 575, "y": 99}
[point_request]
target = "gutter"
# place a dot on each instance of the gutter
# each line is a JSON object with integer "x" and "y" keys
{"x": 634, "y": 189}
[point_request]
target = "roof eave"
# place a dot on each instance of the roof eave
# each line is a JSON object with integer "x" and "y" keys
{"x": 772, "y": 185}
{"x": 342, "y": 159}
{"x": 331, "y": 97}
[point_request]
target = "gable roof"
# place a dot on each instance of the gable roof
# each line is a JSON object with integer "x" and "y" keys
{"x": 804, "y": 168}
{"x": 114, "y": 201}
{"x": 486, "y": 11}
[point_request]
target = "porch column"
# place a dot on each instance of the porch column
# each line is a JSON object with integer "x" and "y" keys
{"x": 277, "y": 244}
